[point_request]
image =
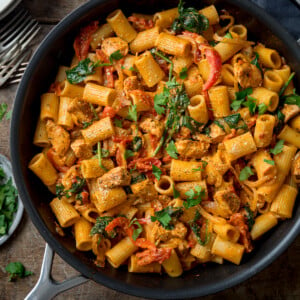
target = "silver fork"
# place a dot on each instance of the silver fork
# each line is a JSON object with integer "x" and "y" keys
{"x": 17, "y": 75}
{"x": 9, "y": 69}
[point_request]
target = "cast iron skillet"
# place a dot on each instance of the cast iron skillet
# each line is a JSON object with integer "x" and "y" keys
{"x": 57, "y": 49}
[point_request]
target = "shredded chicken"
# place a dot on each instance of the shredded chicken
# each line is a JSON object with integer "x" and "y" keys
{"x": 59, "y": 137}
{"x": 81, "y": 111}
{"x": 152, "y": 126}
{"x": 290, "y": 111}
{"x": 131, "y": 83}
{"x": 162, "y": 234}
{"x": 113, "y": 44}
{"x": 118, "y": 176}
{"x": 81, "y": 149}
{"x": 247, "y": 74}
{"x": 216, "y": 133}
{"x": 192, "y": 149}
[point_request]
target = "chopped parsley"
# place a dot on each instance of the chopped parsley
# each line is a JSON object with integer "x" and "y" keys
{"x": 128, "y": 153}
{"x": 176, "y": 194}
{"x": 194, "y": 197}
{"x": 99, "y": 227}
{"x": 292, "y": 99}
{"x": 118, "y": 123}
{"x": 76, "y": 187}
{"x": 189, "y": 19}
{"x": 183, "y": 73}
{"x": 250, "y": 217}
{"x": 99, "y": 156}
{"x": 136, "y": 143}
{"x": 245, "y": 173}
{"x": 262, "y": 108}
{"x": 286, "y": 84}
{"x": 240, "y": 98}
{"x": 16, "y": 270}
{"x": 132, "y": 113}
{"x": 171, "y": 150}
{"x": 255, "y": 62}
{"x": 196, "y": 229}
{"x": 117, "y": 55}
{"x": 165, "y": 216}
{"x": 138, "y": 229}
{"x": 156, "y": 171}
{"x": 278, "y": 147}
{"x": 201, "y": 169}
{"x": 270, "y": 162}
{"x": 228, "y": 35}
{"x": 138, "y": 178}
{"x": 84, "y": 68}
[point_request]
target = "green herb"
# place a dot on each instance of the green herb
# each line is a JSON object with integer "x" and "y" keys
{"x": 194, "y": 197}
{"x": 8, "y": 204}
{"x": 213, "y": 43}
{"x": 137, "y": 231}
{"x": 100, "y": 225}
{"x": 240, "y": 98}
{"x": 228, "y": 35}
{"x": 8, "y": 115}
{"x": 183, "y": 73}
{"x": 286, "y": 84}
{"x": 132, "y": 113}
{"x": 160, "y": 100}
{"x": 206, "y": 131}
{"x": 189, "y": 19}
{"x": 128, "y": 153}
{"x": 156, "y": 172}
{"x": 262, "y": 108}
{"x": 117, "y": 55}
{"x": 196, "y": 229}
{"x": 99, "y": 155}
{"x": 138, "y": 178}
{"x": 232, "y": 120}
{"x": 96, "y": 117}
{"x": 251, "y": 104}
{"x": 76, "y": 187}
{"x": 104, "y": 153}
{"x": 81, "y": 71}
{"x": 292, "y": 99}
{"x": 59, "y": 190}
{"x": 16, "y": 270}
{"x": 137, "y": 143}
{"x": 164, "y": 216}
{"x": 250, "y": 217}
{"x": 217, "y": 122}
{"x": 270, "y": 162}
{"x": 86, "y": 124}
{"x": 171, "y": 150}
{"x": 255, "y": 62}
{"x": 176, "y": 194}
{"x": 278, "y": 147}
{"x": 132, "y": 69}
{"x": 118, "y": 123}
{"x": 3, "y": 109}
{"x": 201, "y": 169}
{"x": 245, "y": 174}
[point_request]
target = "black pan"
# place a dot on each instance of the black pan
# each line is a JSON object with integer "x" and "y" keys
{"x": 57, "y": 49}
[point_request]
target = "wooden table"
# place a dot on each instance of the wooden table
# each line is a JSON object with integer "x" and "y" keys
{"x": 281, "y": 280}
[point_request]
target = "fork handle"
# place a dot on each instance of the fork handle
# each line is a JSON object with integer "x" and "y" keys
{"x": 46, "y": 287}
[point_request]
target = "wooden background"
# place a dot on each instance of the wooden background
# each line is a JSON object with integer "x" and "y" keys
{"x": 281, "y": 280}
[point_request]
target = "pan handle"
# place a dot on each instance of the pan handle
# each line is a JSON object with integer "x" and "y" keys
{"x": 46, "y": 287}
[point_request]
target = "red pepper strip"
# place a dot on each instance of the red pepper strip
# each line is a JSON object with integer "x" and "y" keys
{"x": 144, "y": 164}
{"x": 108, "y": 112}
{"x": 141, "y": 23}
{"x": 215, "y": 64}
{"x": 117, "y": 222}
{"x": 82, "y": 42}
{"x": 208, "y": 104}
{"x": 51, "y": 156}
{"x": 153, "y": 255}
{"x": 85, "y": 197}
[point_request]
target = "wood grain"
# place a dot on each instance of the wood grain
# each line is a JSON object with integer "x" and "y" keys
{"x": 281, "y": 280}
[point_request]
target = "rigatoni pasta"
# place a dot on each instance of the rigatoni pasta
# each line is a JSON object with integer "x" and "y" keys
{"x": 169, "y": 143}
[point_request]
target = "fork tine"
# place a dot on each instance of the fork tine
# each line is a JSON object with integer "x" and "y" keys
{"x": 14, "y": 64}
{"x": 7, "y": 56}
{"x": 30, "y": 38}
{"x": 11, "y": 22}
{"x": 17, "y": 35}
{"x": 15, "y": 27}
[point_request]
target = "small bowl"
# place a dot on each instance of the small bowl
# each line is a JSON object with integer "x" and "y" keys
{"x": 6, "y": 166}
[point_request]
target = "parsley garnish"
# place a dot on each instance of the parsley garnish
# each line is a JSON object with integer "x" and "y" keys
{"x": 278, "y": 147}
{"x": 189, "y": 19}
{"x": 217, "y": 122}
{"x": 164, "y": 216}
{"x": 245, "y": 174}
{"x": 201, "y": 169}
{"x": 118, "y": 123}
{"x": 99, "y": 227}
{"x": 137, "y": 143}
{"x": 286, "y": 84}
{"x": 128, "y": 153}
{"x": 137, "y": 231}
{"x": 3, "y": 110}
{"x": 262, "y": 108}
{"x": 171, "y": 150}
{"x": 251, "y": 104}
{"x": 81, "y": 71}
{"x": 240, "y": 97}
{"x": 183, "y": 73}
{"x": 138, "y": 178}
{"x": 156, "y": 172}
{"x": 270, "y": 162}
{"x": 196, "y": 229}
{"x": 255, "y": 62}
{"x": 99, "y": 155}
{"x": 117, "y": 55}
{"x": 194, "y": 197}
{"x": 176, "y": 194}
{"x": 75, "y": 188}
{"x": 16, "y": 270}
{"x": 292, "y": 99}
{"x": 228, "y": 35}
{"x": 8, "y": 204}
{"x": 132, "y": 113}
{"x": 280, "y": 117}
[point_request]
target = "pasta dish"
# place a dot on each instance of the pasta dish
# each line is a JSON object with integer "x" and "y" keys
{"x": 170, "y": 141}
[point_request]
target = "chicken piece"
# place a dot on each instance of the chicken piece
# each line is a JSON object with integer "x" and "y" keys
{"x": 144, "y": 190}
{"x": 152, "y": 126}
{"x": 113, "y": 44}
{"x": 81, "y": 111}
{"x": 216, "y": 133}
{"x": 118, "y": 176}
{"x": 184, "y": 133}
{"x": 228, "y": 201}
{"x": 59, "y": 137}
{"x": 131, "y": 83}
{"x": 192, "y": 149}
{"x": 296, "y": 167}
{"x": 290, "y": 111}
{"x": 162, "y": 234}
{"x": 82, "y": 149}
{"x": 247, "y": 74}
{"x": 70, "y": 177}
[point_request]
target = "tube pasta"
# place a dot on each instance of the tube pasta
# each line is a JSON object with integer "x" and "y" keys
{"x": 165, "y": 18}
{"x": 164, "y": 185}
{"x": 219, "y": 100}
{"x": 71, "y": 90}
{"x": 90, "y": 168}
{"x": 295, "y": 123}
{"x": 64, "y": 117}
{"x": 268, "y": 57}
{"x": 198, "y": 110}
{"x": 172, "y": 265}
{"x": 290, "y": 135}
{"x": 272, "y": 81}
{"x": 49, "y": 107}
{"x": 40, "y": 138}
{"x": 82, "y": 229}
{"x": 134, "y": 267}
{"x": 97, "y": 94}
{"x": 263, "y": 223}
{"x": 185, "y": 171}
{"x": 264, "y": 130}
{"x": 211, "y": 14}
{"x": 269, "y": 98}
